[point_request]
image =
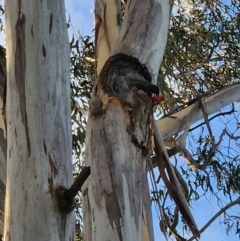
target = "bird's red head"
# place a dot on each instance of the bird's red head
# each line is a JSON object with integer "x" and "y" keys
{"x": 157, "y": 99}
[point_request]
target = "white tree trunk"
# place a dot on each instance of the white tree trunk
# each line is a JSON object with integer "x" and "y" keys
{"x": 118, "y": 128}
{"x": 38, "y": 120}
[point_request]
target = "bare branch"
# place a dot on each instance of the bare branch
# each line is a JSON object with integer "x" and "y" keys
{"x": 235, "y": 138}
{"x": 221, "y": 137}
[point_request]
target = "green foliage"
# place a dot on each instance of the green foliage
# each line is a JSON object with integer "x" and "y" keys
{"x": 82, "y": 71}
{"x": 202, "y": 52}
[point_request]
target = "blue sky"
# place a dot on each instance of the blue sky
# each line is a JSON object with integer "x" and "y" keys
{"x": 81, "y": 12}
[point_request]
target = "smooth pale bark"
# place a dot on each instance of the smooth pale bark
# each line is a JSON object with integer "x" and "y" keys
{"x": 38, "y": 120}
{"x": 113, "y": 195}
{"x": 177, "y": 122}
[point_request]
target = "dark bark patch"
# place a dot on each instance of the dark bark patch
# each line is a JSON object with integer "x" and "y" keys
{"x": 50, "y": 23}
{"x": 44, "y": 147}
{"x": 140, "y": 144}
{"x": 20, "y": 71}
{"x": 44, "y": 51}
{"x": 139, "y": 113}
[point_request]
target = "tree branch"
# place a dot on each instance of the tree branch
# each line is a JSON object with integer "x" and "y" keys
{"x": 78, "y": 182}
{"x": 64, "y": 198}
{"x": 172, "y": 125}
